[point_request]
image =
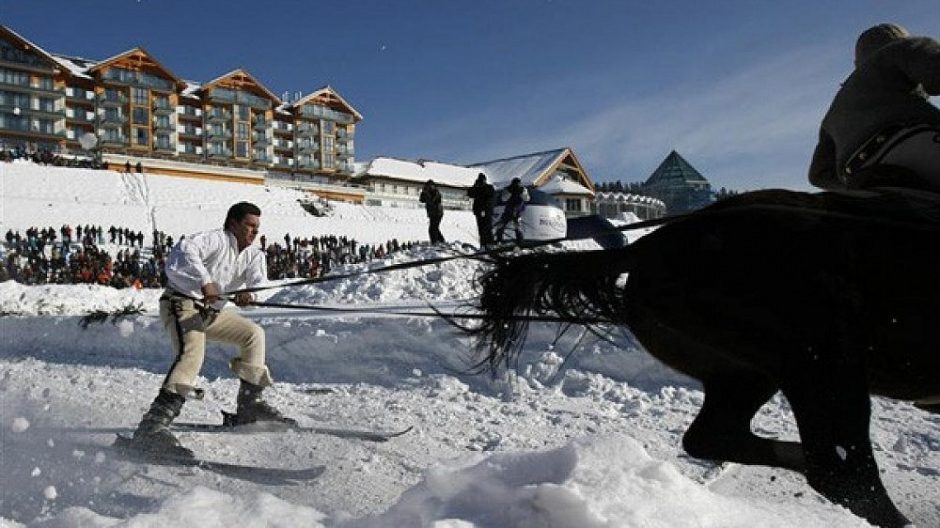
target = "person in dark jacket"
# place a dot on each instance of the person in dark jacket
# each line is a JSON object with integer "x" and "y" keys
{"x": 433, "y": 204}
{"x": 880, "y": 128}
{"x": 514, "y": 197}
{"x": 484, "y": 197}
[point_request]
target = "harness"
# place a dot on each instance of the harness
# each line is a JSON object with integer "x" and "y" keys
{"x": 879, "y": 146}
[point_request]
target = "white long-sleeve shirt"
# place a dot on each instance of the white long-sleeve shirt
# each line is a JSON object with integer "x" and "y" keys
{"x": 213, "y": 256}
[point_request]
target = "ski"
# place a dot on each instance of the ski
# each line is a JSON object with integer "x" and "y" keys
{"x": 371, "y": 435}
{"x": 126, "y": 447}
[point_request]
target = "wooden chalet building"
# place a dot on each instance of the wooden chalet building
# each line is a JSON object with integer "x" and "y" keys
{"x": 557, "y": 172}
{"x": 134, "y": 109}
{"x": 398, "y": 183}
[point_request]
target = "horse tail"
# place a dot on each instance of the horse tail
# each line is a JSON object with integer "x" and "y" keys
{"x": 580, "y": 287}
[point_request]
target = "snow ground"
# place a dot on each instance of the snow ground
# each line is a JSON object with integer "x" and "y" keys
{"x": 591, "y": 442}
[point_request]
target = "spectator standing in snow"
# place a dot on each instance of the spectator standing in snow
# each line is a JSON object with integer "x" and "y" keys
{"x": 483, "y": 196}
{"x": 514, "y": 197}
{"x": 434, "y": 206}
{"x": 881, "y": 128}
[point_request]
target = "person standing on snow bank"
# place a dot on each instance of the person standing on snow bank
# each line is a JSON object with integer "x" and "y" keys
{"x": 199, "y": 269}
{"x": 881, "y": 128}
{"x": 483, "y": 196}
{"x": 433, "y": 205}
{"x": 514, "y": 198}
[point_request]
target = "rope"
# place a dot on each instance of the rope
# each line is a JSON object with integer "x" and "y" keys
{"x": 490, "y": 253}
{"x": 434, "y": 313}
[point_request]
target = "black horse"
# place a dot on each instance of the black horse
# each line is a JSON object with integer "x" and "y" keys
{"x": 827, "y": 297}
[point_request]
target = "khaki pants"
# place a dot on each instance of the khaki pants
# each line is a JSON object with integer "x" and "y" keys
{"x": 189, "y": 328}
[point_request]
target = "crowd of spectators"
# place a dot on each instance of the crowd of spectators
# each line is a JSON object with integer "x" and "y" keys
{"x": 44, "y": 156}
{"x": 82, "y": 255}
{"x": 316, "y": 256}
{"x": 75, "y": 256}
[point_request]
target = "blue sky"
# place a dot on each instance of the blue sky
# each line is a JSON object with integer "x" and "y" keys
{"x": 737, "y": 87}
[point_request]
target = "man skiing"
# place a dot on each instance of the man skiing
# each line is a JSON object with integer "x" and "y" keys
{"x": 881, "y": 128}
{"x": 199, "y": 269}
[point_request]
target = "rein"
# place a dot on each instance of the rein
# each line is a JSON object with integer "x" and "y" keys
{"x": 489, "y": 254}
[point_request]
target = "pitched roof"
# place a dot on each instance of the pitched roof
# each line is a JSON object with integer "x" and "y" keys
{"x": 328, "y": 90}
{"x": 75, "y": 65}
{"x": 241, "y": 76}
{"x": 421, "y": 171}
{"x": 154, "y": 63}
{"x": 535, "y": 169}
{"x": 29, "y": 45}
{"x": 559, "y": 185}
{"x": 675, "y": 169}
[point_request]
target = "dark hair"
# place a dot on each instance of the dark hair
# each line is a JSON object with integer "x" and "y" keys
{"x": 239, "y": 211}
{"x": 875, "y": 38}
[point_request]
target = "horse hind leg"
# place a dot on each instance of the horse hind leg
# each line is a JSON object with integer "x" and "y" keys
{"x": 832, "y": 410}
{"x": 722, "y": 429}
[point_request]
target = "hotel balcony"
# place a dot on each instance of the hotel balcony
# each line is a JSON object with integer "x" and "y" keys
{"x": 307, "y": 131}
{"x": 113, "y": 120}
{"x": 112, "y": 100}
{"x": 216, "y": 115}
{"x": 312, "y": 164}
{"x": 164, "y": 125}
{"x": 308, "y": 148}
{"x": 76, "y": 95}
{"x": 162, "y": 108}
{"x": 216, "y": 133}
{"x": 189, "y": 112}
{"x": 220, "y": 153}
{"x": 114, "y": 141}
{"x": 190, "y": 131}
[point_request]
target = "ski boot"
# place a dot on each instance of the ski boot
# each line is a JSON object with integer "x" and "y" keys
{"x": 153, "y": 433}
{"x": 251, "y": 408}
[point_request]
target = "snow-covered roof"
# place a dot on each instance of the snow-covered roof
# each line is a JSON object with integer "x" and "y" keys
{"x": 559, "y": 185}
{"x": 191, "y": 88}
{"x": 76, "y": 66}
{"x": 528, "y": 168}
{"x": 422, "y": 171}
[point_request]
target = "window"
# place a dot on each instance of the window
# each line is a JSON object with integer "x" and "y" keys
{"x": 113, "y": 115}
{"x": 47, "y": 104}
{"x": 112, "y": 95}
{"x": 328, "y": 144}
{"x": 573, "y": 204}
{"x": 241, "y": 149}
{"x": 328, "y": 160}
{"x": 163, "y": 141}
{"x": 329, "y": 127}
{"x": 141, "y": 136}
{"x": 244, "y": 113}
{"x": 141, "y": 116}
{"x": 139, "y": 96}
{"x": 242, "y": 130}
